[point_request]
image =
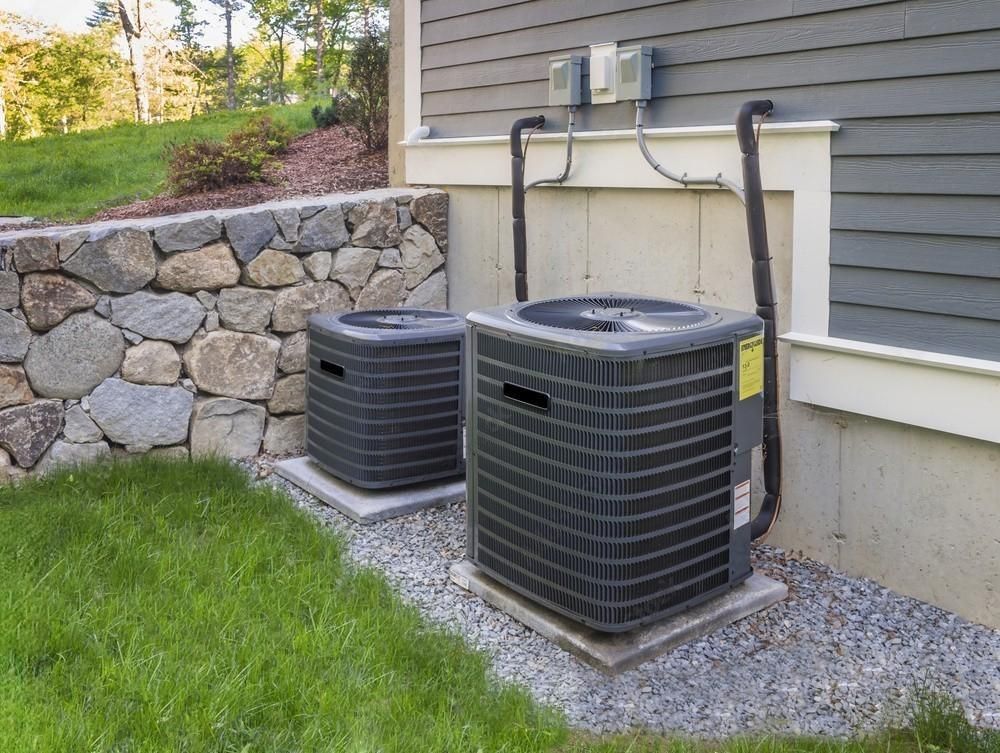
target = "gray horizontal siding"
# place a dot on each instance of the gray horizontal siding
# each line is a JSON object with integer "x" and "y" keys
{"x": 915, "y": 85}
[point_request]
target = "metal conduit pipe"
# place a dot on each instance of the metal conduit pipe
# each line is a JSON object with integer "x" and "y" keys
{"x": 517, "y": 203}
{"x": 559, "y": 179}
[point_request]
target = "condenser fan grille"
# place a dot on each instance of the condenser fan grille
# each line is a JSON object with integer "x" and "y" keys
{"x": 615, "y": 314}
{"x": 399, "y": 319}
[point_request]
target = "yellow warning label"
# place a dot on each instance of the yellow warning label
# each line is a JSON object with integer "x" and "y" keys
{"x": 751, "y": 366}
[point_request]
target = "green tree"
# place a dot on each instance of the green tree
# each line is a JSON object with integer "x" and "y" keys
{"x": 105, "y": 12}
{"x": 366, "y": 107}
{"x": 276, "y": 20}
{"x": 229, "y": 7}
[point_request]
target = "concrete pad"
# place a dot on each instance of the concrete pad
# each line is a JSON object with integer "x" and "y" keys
{"x": 614, "y": 653}
{"x": 369, "y": 505}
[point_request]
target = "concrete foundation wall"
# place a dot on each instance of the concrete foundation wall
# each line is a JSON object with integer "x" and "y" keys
{"x": 916, "y": 510}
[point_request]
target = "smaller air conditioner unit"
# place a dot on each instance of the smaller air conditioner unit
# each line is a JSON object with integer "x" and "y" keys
{"x": 384, "y": 396}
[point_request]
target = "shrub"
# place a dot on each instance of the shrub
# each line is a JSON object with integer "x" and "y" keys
{"x": 324, "y": 117}
{"x": 205, "y": 165}
{"x": 366, "y": 108}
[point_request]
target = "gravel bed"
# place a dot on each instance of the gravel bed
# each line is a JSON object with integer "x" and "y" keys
{"x": 838, "y": 656}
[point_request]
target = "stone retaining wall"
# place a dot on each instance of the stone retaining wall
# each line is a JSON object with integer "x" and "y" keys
{"x": 186, "y": 334}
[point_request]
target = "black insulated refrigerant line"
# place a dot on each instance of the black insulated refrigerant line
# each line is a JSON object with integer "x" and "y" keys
{"x": 767, "y": 309}
{"x": 517, "y": 203}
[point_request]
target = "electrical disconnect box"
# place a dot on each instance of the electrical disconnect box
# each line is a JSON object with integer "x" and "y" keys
{"x": 565, "y": 88}
{"x": 634, "y": 78}
{"x": 603, "y": 62}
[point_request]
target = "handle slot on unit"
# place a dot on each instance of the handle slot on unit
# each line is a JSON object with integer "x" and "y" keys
{"x": 526, "y": 396}
{"x": 332, "y": 368}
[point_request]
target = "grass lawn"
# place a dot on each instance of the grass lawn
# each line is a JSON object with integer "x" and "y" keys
{"x": 71, "y": 177}
{"x": 155, "y": 606}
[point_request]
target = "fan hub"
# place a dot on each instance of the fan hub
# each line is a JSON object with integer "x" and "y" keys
{"x": 608, "y": 313}
{"x": 398, "y": 319}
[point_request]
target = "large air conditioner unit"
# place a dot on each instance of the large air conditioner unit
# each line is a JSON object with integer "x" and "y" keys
{"x": 610, "y": 442}
{"x": 385, "y": 396}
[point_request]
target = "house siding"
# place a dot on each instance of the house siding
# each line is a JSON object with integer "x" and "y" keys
{"x": 915, "y": 85}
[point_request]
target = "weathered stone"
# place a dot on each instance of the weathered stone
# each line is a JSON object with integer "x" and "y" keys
{"x": 206, "y": 299}
{"x": 226, "y": 427}
{"x": 70, "y": 243}
{"x": 293, "y": 358}
{"x": 103, "y": 306}
{"x": 233, "y": 364}
{"x": 273, "y": 269}
{"x": 9, "y": 473}
{"x": 27, "y": 430}
{"x": 391, "y": 258}
{"x": 246, "y": 309}
{"x": 10, "y": 290}
{"x": 133, "y": 337}
{"x": 294, "y": 306}
{"x": 133, "y": 414}
{"x": 210, "y": 268}
{"x": 70, "y": 454}
{"x": 249, "y": 233}
{"x": 187, "y": 235}
{"x": 189, "y": 385}
{"x": 14, "y": 387}
{"x": 318, "y": 265}
{"x": 384, "y": 290}
{"x": 76, "y": 356}
{"x": 160, "y": 316}
{"x": 35, "y": 254}
{"x": 431, "y": 211}
{"x": 211, "y": 321}
{"x": 288, "y": 223}
{"x": 15, "y": 337}
{"x": 152, "y": 362}
{"x": 420, "y": 255}
{"x": 280, "y": 244}
{"x": 404, "y": 217}
{"x": 48, "y": 298}
{"x": 375, "y": 224}
{"x": 353, "y": 266}
{"x": 289, "y": 395}
{"x": 324, "y": 231}
{"x": 79, "y": 426}
{"x": 120, "y": 262}
{"x": 432, "y": 293}
{"x": 176, "y": 453}
{"x": 285, "y": 436}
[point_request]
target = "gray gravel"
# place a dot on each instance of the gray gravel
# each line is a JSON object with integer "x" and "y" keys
{"x": 838, "y": 656}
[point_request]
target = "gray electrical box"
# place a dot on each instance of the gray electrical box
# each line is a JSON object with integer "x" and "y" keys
{"x": 564, "y": 80}
{"x": 634, "y": 77}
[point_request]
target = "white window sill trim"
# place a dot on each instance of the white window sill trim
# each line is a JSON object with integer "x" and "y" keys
{"x": 947, "y": 393}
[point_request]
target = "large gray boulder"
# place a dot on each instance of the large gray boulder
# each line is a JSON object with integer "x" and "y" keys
{"x": 246, "y": 309}
{"x": 151, "y": 362}
{"x": 26, "y": 431}
{"x": 48, "y": 298}
{"x": 273, "y": 269}
{"x": 10, "y": 290}
{"x": 14, "y": 387}
{"x": 160, "y": 316}
{"x": 70, "y": 454}
{"x": 76, "y": 356}
{"x": 285, "y": 435}
{"x": 431, "y": 211}
{"x": 233, "y": 364}
{"x": 432, "y": 293}
{"x": 15, "y": 337}
{"x": 120, "y": 262}
{"x": 353, "y": 266}
{"x": 226, "y": 427}
{"x": 250, "y": 232}
{"x": 35, "y": 254}
{"x": 79, "y": 427}
{"x": 289, "y": 395}
{"x": 133, "y": 414}
{"x": 288, "y": 223}
{"x": 375, "y": 223}
{"x": 294, "y": 306}
{"x": 292, "y": 358}
{"x": 210, "y": 268}
{"x": 421, "y": 255}
{"x": 324, "y": 231}
{"x": 385, "y": 289}
{"x": 187, "y": 235}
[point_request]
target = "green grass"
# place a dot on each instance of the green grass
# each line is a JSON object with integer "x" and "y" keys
{"x": 157, "y": 606}
{"x": 73, "y": 176}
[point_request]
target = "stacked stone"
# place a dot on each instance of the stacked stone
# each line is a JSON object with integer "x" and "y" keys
{"x": 186, "y": 334}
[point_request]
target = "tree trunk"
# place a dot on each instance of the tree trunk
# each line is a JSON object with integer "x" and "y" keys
{"x": 137, "y": 58}
{"x": 281, "y": 69}
{"x": 320, "y": 47}
{"x": 3, "y": 114}
{"x": 230, "y": 61}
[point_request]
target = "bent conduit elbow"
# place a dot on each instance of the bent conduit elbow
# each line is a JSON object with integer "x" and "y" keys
{"x": 517, "y": 203}
{"x": 560, "y": 179}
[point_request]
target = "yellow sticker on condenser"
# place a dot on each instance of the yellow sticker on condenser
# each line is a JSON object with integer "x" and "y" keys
{"x": 751, "y": 366}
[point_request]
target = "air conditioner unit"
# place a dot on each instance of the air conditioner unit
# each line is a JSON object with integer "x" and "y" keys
{"x": 610, "y": 441}
{"x": 385, "y": 396}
